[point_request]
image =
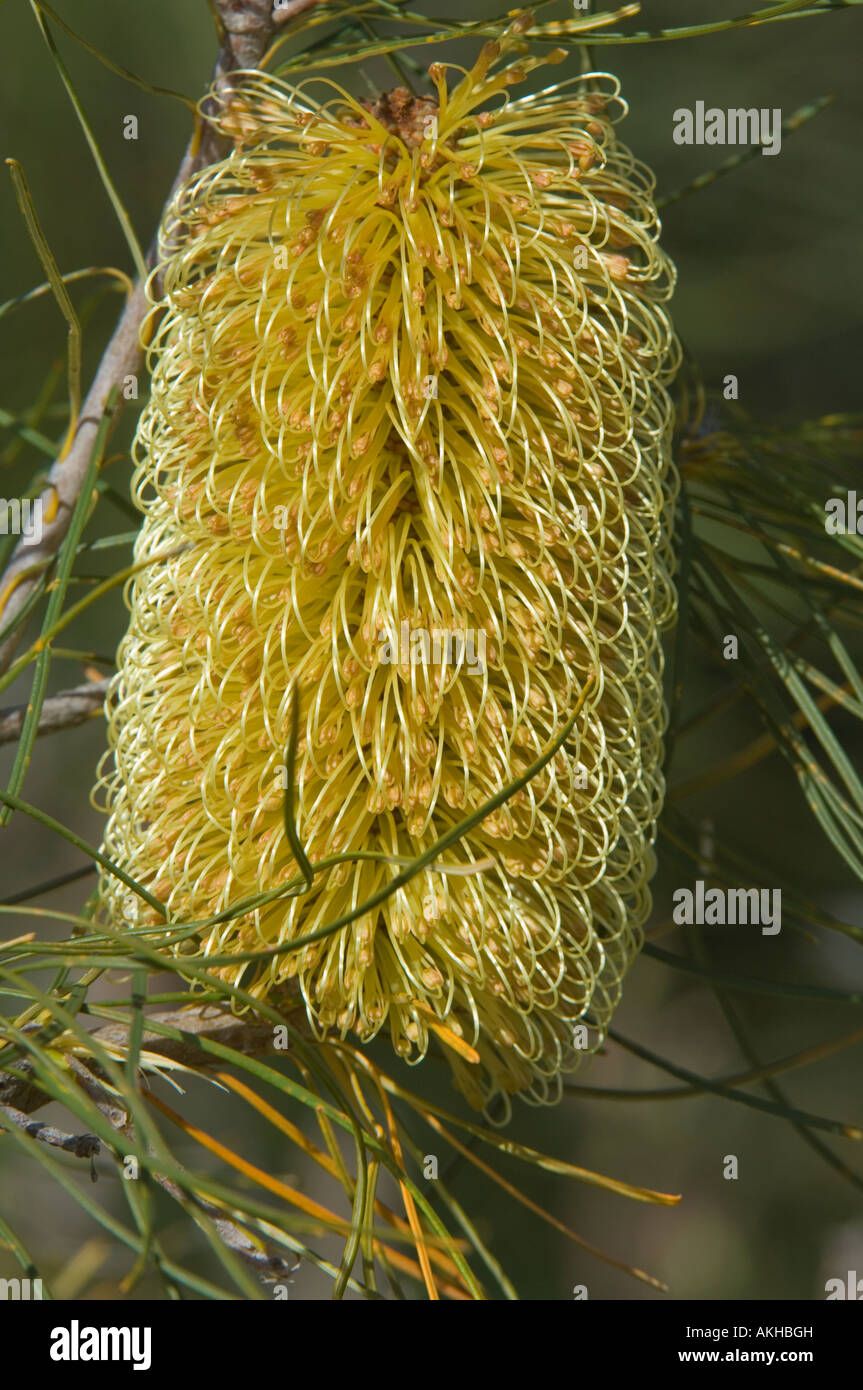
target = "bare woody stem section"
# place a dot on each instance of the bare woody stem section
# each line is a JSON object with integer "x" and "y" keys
{"x": 209, "y": 1022}
{"x": 247, "y": 27}
{"x": 19, "y": 1098}
{"x": 63, "y": 711}
{"x": 81, "y": 1145}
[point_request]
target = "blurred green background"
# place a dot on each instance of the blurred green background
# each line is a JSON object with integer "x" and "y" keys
{"x": 769, "y": 280}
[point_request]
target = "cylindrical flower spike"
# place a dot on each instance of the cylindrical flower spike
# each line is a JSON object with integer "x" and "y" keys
{"x": 407, "y": 454}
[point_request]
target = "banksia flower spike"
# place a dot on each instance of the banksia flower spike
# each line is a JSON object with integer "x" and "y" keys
{"x": 406, "y": 459}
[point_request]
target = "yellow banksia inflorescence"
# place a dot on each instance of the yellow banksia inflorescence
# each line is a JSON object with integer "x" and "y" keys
{"x": 407, "y": 455}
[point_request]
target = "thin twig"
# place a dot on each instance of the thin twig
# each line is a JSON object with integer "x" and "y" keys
{"x": 212, "y": 1023}
{"x": 246, "y": 30}
{"x": 81, "y": 1145}
{"x": 264, "y": 1258}
{"x": 63, "y": 711}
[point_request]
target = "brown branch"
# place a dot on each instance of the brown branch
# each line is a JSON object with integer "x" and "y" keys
{"x": 246, "y": 30}
{"x": 63, "y": 711}
{"x": 253, "y": 1037}
{"x": 267, "y": 1261}
{"x": 81, "y": 1145}
{"x": 31, "y": 556}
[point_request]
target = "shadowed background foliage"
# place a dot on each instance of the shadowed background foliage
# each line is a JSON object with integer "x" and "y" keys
{"x": 768, "y": 290}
